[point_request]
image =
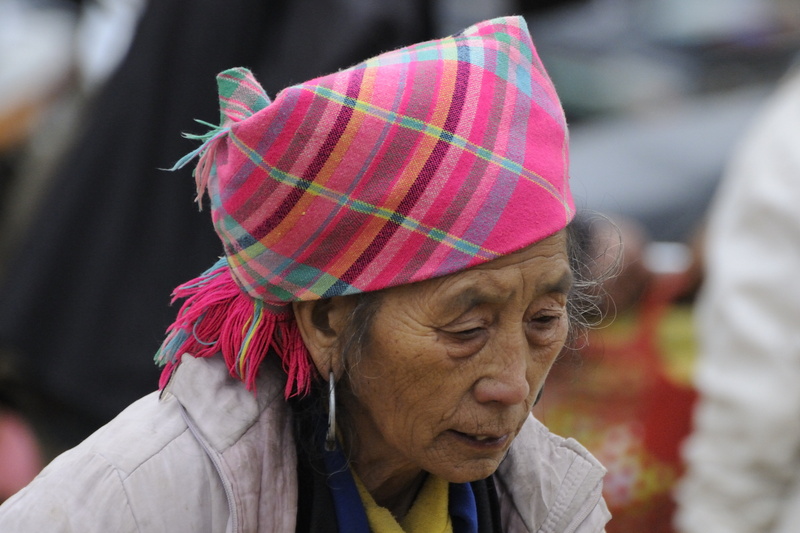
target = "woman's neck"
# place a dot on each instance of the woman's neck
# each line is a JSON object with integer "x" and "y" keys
{"x": 391, "y": 479}
{"x": 393, "y": 490}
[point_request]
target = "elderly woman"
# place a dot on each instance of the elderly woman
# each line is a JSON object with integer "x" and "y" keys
{"x": 396, "y": 284}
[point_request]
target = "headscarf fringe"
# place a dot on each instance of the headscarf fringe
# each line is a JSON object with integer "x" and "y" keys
{"x": 207, "y": 153}
{"x": 217, "y": 317}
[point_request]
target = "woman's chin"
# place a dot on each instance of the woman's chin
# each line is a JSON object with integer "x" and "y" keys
{"x": 470, "y": 457}
{"x": 467, "y": 471}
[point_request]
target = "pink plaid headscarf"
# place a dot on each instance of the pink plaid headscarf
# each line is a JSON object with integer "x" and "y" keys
{"x": 417, "y": 163}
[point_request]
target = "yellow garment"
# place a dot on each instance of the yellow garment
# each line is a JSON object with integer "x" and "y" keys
{"x": 428, "y": 514}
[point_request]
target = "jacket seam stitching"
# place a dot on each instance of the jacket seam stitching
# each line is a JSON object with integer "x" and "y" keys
{"x": 125, "y": 476}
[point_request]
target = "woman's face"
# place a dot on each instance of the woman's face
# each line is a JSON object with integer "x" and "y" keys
{"x": 455, "y": 364}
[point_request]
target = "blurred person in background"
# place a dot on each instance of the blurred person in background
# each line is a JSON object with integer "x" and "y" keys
{"x": 20, "y": 454}
{"x": 626, "y": 393}
{"x": 743, "y": 458}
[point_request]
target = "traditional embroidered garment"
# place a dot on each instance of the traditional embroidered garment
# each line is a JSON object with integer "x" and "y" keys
{"x": 417, "y": 163}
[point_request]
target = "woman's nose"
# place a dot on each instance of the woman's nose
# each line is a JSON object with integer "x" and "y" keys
{"x": 506, "y": 379}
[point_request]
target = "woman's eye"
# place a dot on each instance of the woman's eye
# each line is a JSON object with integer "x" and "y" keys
{"x": 464, "y": 342}
{"x": 467, "y": 334}
{"x": 545, "y": 320}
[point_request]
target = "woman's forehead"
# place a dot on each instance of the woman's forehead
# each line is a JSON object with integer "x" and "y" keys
{"x": 540, "y": 268}
{"x": 532, "y": 257}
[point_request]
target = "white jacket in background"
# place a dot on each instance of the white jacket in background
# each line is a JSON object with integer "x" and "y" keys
{"x": 744, "y": 454}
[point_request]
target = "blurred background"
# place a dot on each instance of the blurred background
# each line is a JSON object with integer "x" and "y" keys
{"x": 94, "y": 236}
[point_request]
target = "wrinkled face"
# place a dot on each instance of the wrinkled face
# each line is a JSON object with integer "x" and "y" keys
{"x": 455, "y": 364}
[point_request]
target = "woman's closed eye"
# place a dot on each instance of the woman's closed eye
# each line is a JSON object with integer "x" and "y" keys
{"x": 468, "y": 333}
{"x": 544, "y": 320}
{"x": 545, "y": 325}
{"x": 467, "y": 336}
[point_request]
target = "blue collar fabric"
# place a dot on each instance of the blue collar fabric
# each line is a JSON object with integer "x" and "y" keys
{"x": 350, "y": 513}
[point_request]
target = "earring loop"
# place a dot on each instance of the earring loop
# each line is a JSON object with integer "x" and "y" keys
{"x": 330, "y": 437}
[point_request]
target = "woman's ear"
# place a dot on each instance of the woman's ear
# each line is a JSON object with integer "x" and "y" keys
{"x": 321, "y": 324}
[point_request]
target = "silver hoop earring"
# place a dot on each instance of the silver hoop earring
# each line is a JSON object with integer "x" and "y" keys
{"x": 330, "y": 437}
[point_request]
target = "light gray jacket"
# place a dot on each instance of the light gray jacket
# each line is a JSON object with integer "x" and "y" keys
{"x": 209, "y": 456}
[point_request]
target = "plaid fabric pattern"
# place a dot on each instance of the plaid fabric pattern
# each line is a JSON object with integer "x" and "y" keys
{"x": 416, "y": 163}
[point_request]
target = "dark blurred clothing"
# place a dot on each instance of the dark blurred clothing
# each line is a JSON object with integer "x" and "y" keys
{"x": 85, "y": 300}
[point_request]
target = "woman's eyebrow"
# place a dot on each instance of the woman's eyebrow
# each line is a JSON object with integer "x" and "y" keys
{"x": 562, "y": 286}
{"x": 473, "y": 297}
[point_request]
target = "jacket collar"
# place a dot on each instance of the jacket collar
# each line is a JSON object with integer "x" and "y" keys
{"x": 221, "y": 408}
{"x": 553, "y": 483}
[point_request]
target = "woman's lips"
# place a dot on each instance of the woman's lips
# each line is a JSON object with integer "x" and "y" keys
{"x": 482, "y": 441}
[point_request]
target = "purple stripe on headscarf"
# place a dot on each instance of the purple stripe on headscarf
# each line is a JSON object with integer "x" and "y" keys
{"x": 343, "y": 118}
{"x": 425, "y": 175}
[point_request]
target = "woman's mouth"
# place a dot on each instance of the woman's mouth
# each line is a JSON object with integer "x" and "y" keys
{"x": 482, "y": 441}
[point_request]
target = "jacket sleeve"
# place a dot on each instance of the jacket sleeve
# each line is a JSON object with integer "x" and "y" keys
{"x": 742, "y": 458}
{"x": 81, "y": 495}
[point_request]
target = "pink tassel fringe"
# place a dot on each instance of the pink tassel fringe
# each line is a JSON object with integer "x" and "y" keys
{"x": 218, "y": 317}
